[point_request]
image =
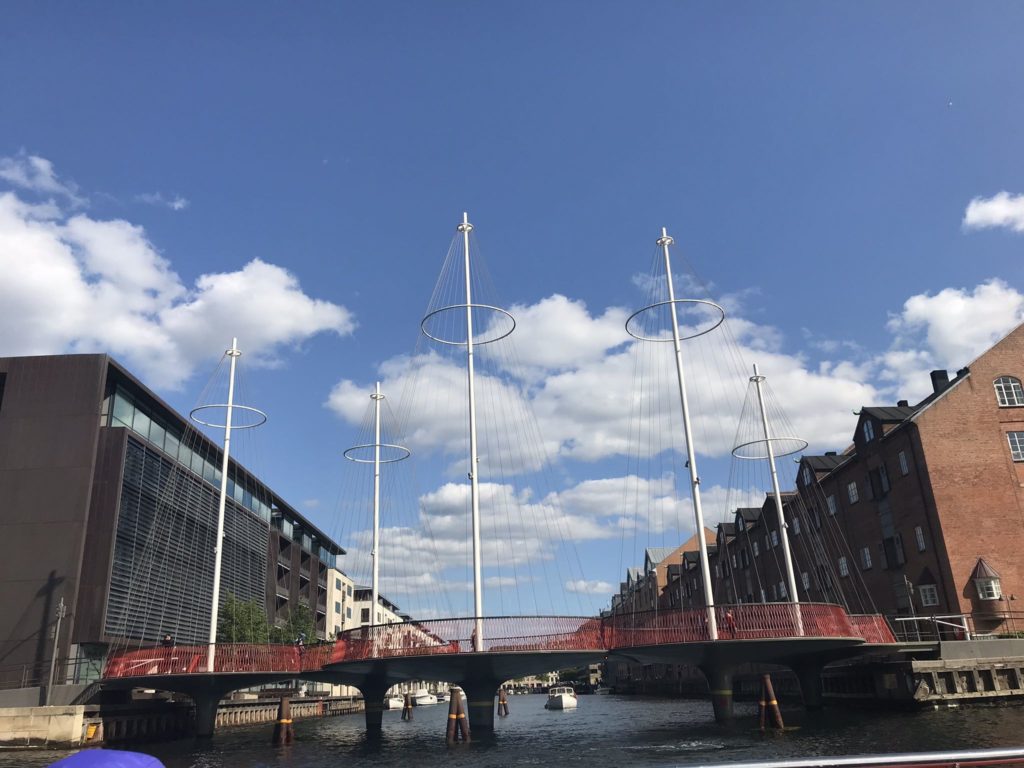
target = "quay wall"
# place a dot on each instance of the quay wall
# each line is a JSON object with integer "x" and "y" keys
{"x": 146, "y": 720}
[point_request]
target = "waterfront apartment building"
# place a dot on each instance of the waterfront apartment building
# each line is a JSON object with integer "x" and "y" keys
{"x": 108, "y": 501}
{"x": 921, "y": 515}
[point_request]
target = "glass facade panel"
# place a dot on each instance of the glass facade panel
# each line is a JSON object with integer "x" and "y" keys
{"x": 124, "y": 412}
{"x": 172, "y": 445}
{"x": 141, "y": 423}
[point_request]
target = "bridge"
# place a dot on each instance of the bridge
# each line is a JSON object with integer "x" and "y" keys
{"x": 803, "y": 636}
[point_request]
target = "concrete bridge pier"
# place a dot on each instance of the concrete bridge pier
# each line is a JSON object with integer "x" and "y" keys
{"x": 373, "y": 704}
{"x": 808, "y": 672}
{"x": 206, "y": 713}
{"x": 720, "y": 680}
{"x": 480, "y": 696}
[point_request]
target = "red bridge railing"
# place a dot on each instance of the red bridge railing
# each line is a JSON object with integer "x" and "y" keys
{"x": 755, "y": 621}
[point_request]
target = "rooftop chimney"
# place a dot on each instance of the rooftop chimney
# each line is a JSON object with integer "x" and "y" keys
{"x": 940, "y": 380}
{"x": 902, "y": 404}
{"x": 963, "y": 372}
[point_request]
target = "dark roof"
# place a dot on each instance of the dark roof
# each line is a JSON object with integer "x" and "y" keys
{"x": 749, "y": 514}
{"x": 824, "y": 463}
{"x": 983, "y": 570}
{"x": 657, "y": 554}
{"x": 729, "y": 529}
{"x": 890, "y": 415}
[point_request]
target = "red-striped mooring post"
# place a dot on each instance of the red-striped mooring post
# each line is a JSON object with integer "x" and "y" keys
{"x": 502, "y": 703}
{"x": 283, "y": 732}
{"x": 407, "y": 707}
{"x": 771, "y": 704}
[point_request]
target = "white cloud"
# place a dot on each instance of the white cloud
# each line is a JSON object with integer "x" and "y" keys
{"x": 80, "y": 284}
{"x": 947, "y": 330}
{"x": 36, "y": 174}
{"x": 174, "y": 202}
{"x": 585, "y": 587}
{"x": 1000, "y": 210}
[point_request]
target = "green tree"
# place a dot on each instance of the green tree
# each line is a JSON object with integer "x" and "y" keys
{"x": 241, "y": 621}
{"x": 299, "y": 623}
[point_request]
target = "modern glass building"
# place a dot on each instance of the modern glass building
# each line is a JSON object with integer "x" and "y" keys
{"x": 108, "y": 500}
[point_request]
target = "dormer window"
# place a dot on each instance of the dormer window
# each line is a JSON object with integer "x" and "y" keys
{"x": 807, "y": 475}
{"x": 986, "y": 581}
{"x": 1009, "y": 392}
{"x": 869, "y": 431}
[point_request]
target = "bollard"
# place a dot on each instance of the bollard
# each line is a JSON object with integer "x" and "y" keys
{"x": 407, "y": 707}
{"x": 462, "y": 721}
{"x": 762, "y": 707}
{"x": 502, "y": 703}
{"x": 283, "y": 733}
{"x": 771, "y": 704}
{"x": 453, "y": 715}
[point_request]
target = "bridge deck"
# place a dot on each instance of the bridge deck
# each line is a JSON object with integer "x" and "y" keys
{"x": 516, "y": 638}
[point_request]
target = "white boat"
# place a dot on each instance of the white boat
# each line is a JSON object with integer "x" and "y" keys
{"x": 442, "y": 697}
{"x": 422, "y": 697}
{"x": 561, "y": 697}
{"x": 602, "y": 690}
{"x": 394, "y": 702}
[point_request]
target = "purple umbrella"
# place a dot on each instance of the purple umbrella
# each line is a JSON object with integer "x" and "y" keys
{"x": 108, "y": 758}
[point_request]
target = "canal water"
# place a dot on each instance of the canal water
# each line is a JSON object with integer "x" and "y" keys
{"x": 604, "y": 732}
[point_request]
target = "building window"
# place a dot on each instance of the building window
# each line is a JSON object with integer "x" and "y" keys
{"x": 851, "y": 491}
{"x": 337, "y": 584}
{"x": 1008, "y": 391}
{"x": 929, "y": 595}
{"x": 337, "y": 607}
{"x": 919, "y": 535}
{"x": 734, "y": 561}
{"x": 349, "y": 590}
{"x": 348, "y": 612}
{"x": 844, "y": 569}
{"x": 1016, "y": 445}
{"x": 830, "y": 502}
{"x": 364, "y": 616}
{"x": 783, "y": 595}
{"x": 806, "y": 579}
{"x": 775, "y": 538}
{"x": 774, "y": 593}
{"x": 807, "y": 475}
{"x": 883, "y": 476}
{"x": 869, "y": 431}
{"x": 904, "y": 469}
{"x": 989, "y": 589}
{"x": 865, "y": 558}
{"x": 796, "y": 526}
{"x": 757, "y": 549}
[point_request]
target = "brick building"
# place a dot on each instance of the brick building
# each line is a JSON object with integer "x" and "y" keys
{"x": 921, "y": 515}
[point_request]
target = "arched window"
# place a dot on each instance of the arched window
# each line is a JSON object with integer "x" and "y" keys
{"x": 1009, "y": 391}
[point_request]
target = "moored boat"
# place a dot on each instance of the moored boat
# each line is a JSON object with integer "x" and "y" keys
{"x": 421, "y": 697}
{"x": 561, "y": 697}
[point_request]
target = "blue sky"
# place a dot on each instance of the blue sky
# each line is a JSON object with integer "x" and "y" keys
{"x": 815, "y": 162}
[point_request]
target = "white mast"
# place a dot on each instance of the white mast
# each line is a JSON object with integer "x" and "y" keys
{"x": 232, "y": 353}
{"x": 709, "y": 598}
{"x": 375, "y": 552}
{"x": 478, "y": 635}
{"x": 757, "y": 378}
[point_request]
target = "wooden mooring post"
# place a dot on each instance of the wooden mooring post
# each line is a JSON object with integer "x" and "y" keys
{"x": 502, "y": 703}
{"x": 283, "y": 731}
{"x": 769, "y": 704}
{"x": 407, "y": 707}
{"x": 458, "y": 723}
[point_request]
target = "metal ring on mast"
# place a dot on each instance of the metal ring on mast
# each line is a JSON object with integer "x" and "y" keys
{"x": 705, "y": 302}
{"x": 261, "y": 416}
{"x": 795, "y": 445}
{"x": 476, "y": 340}
{"x": 403, "y": 453}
